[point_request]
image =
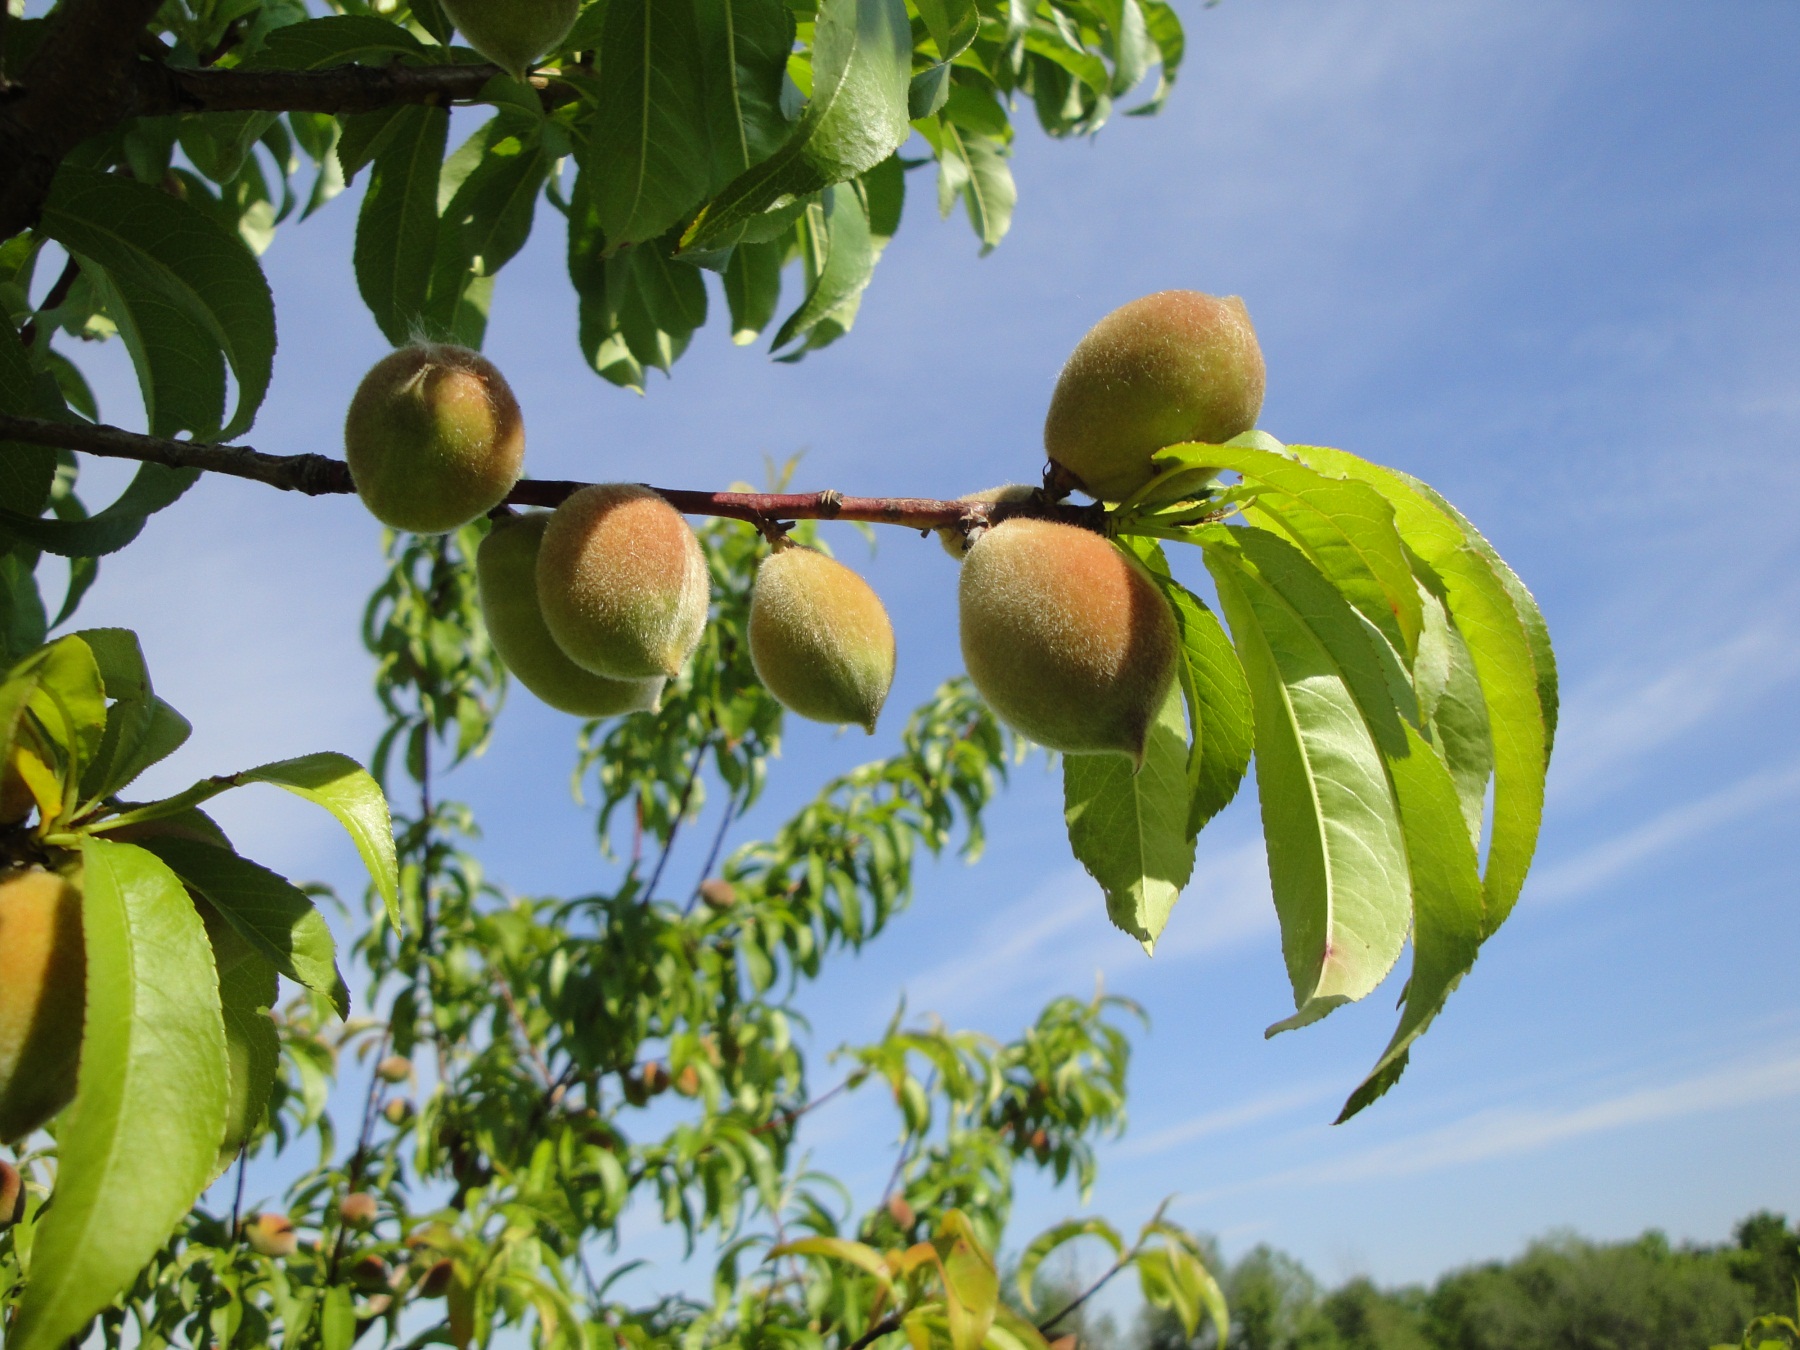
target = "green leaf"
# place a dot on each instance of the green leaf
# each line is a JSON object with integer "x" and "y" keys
{"x": 247, "y": 990}
{"x": 397, "y": 230}
{"x": 952, "y": 24}
{"x": 140, "y": 1141}
{"x": 338, "y": 39}
{"x": 858, "y": 1254}
{"x": 1497, "y": 619}
{"x": 120, "y": 660}
{"x": 139, "y": 733}
{"x": 1457, "y": 720}
{"x": 647, "y": 154}
{"x": 971, "y": 1284}
{"x": 744, "y": 47}
{"x": 26, "y": 471}
{"x": 1045, "y": 1243}
{"x": 152, "y": 488}
{"x": 1174, "y": 1279}
{"x": 1337, "y": 861}
{"x": 1218, "y": 699}
{"x": 1345, "y": 527}
{"x": 70, "y": 706}
{"x": 973, "y": 167}
{"x": 272, "y": 914}
{"x": 840, "y": 260}
{"x": 178, "y": 270}
{"x": 1447, "y": 904}
{"x": 1164, "y": 28}
{"x": 752, "y": 289}
{"x": 344, "y": 788}
{"x": 1129, "y": 828}
{"x": 856, "y": 117}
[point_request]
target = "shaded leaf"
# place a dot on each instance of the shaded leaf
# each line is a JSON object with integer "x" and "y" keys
{"x": 1129, "y": 827}
{"x": 153, "y": 1051}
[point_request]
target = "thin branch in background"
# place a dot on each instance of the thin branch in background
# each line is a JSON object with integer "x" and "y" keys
{"x": 712, "y": 854}
{"x": 358, "y": 1159}
{"x": 237, "y": 1195}
{"x": 1125, "y": 1258}
{"x": 887, "y": 1326}
{"x": 789, "y": 1117}
{"x": 551, "y": 1088}
{"x": 687, "y": 792}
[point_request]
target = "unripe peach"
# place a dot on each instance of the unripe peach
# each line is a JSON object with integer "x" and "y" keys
{"x": 43, "y": 997}
{"x": 655, "y": 1078}
{"x": 12, "y": 1194}
{"x": 622, "y": 582}
{"x": 901, "y": 1212}
{"x": 820, "y": 639}
{"x": 358, "y": 1209}
{"x": 271, "y": 1235}
{"x": 718, "y": 893}
{"x": 436, "y": 1279}
{"x": 433, "y": 438}
{"x": 513, "y": 34}
{"x": 397, "y": 1111}
{"x": 506, "y": 572}
{"x": 687, "y": 1082}
{"x": 955, "y": 542}
{"x": 1172, "y": 367}
{"x": 394, "y": 1069}
{"x": 1067, "y": 639}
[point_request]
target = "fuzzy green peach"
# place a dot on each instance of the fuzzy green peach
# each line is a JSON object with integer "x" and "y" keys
{"x": 433, "y": 438}
{"x": 506, "y": 576}
{"x": 820, "y": 638}
{"x": 622, "y": 582}
{"x": 1172, "y": 367}
{"x": 1065, "y": 637}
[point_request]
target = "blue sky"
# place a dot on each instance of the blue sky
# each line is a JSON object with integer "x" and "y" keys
{"x": 1541, "y": 255}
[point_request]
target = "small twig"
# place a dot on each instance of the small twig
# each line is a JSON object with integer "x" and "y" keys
{"x": 687, "y": 791}
{"x": 789, "y": 1117}
{"x": 1125, "y": 1259}
{"x": 551, "y": 1088}
{"x": 237, "y": 1195}
{"x": 887, "y": 1326}
{"x": 712, "y": 854}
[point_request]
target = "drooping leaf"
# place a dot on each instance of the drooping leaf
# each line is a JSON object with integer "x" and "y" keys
{"x": 1458, "y": 719}
{"x": 647, "y": 155}
{"x": 247, "y": 990}
{"x": 142, "y": 1136}
{"x": 952, "y": 24}
{"x": 272, "y": 914}
{"x": 176, "y": 270}
{"x": 1447, "y": 904}
{"x": 1045, "y": 1243}
{"x": 1220, "y": 722}
{"x": 971, "y": 1284}
{"x": 152, "y": 488}
{"x": 744, "y": 46}
{"x": 856, "y": 117}
{"x": 1337, "y": 861}
{"x": 1129, "y": 828}
{"x": 1497, "y": 621}
{"x": 1345, "y": 527}
{"x": 752, "y": 289}
{"x": 397, "y": 229}
{"x": 344, "y": 788}
{"x": 840, "y": 260}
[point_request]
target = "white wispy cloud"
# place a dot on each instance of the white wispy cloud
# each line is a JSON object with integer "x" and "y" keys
{"x": 1224, "y": 1120}
{"x": 1619, "y": 717}
{"x": 1610, "y": 859}
{"x": 1503, "y": 1132}
{"x": 1059, "y": 936}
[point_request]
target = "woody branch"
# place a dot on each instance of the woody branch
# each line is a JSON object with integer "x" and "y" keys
{"x": 320, "y": 475}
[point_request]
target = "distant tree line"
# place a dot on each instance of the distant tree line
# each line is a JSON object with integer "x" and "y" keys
{"x": 1562, "y": 1293}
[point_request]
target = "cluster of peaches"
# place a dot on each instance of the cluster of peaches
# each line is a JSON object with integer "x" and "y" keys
{"x": 594, "y": 606}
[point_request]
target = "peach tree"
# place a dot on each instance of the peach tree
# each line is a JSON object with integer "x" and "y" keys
{"x": 170, "y": 1009}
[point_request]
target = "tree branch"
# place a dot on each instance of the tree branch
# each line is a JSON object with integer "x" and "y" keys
{"x": 79, "y": 83}
{"x": 161, "y": 89}
{"x": 317, "y": 475}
